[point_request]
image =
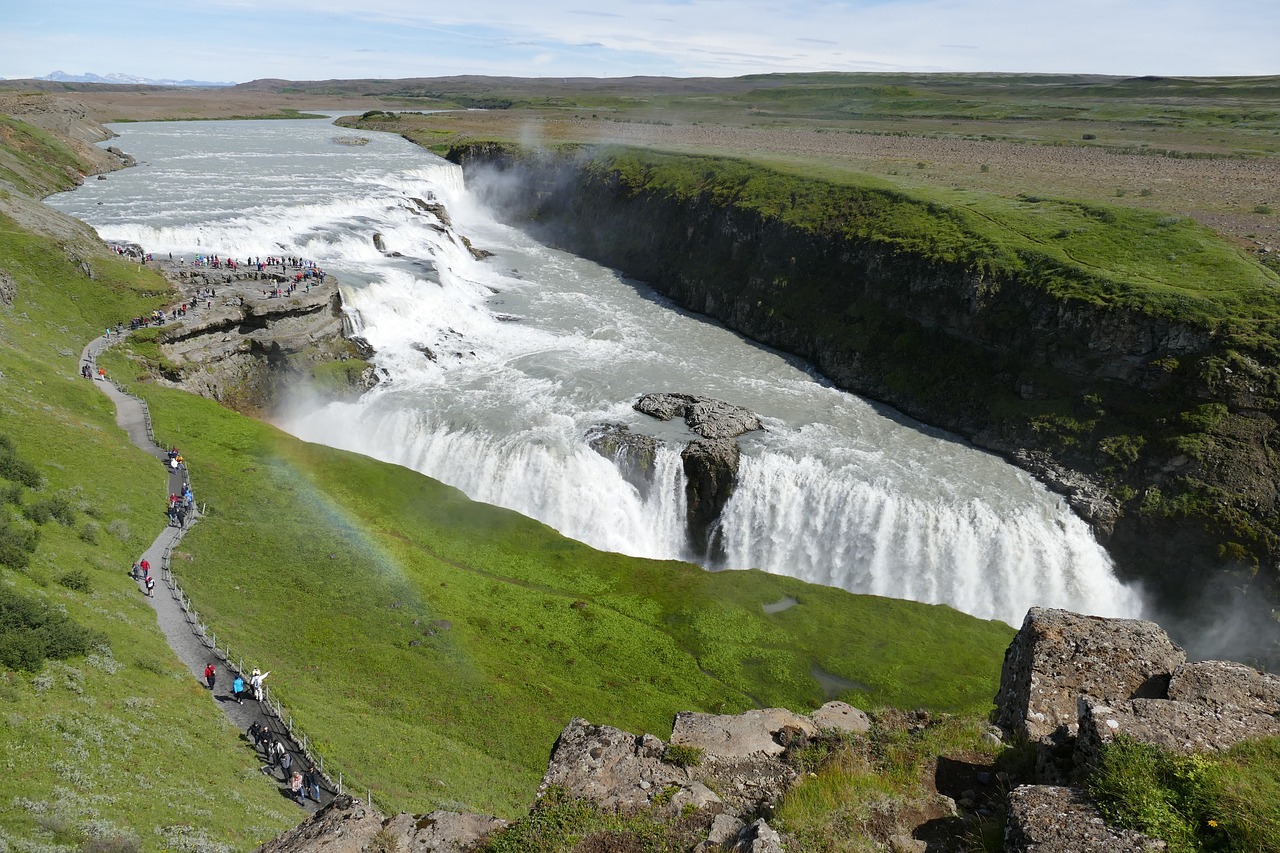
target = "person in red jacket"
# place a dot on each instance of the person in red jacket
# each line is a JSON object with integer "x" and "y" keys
{"x": 210, "y": 675}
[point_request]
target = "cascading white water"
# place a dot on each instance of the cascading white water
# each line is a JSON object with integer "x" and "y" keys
{"x": 499, "y": 369}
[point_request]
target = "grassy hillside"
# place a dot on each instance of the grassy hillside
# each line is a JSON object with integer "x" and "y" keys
{"x": 434, "y": 647}
{"x": 119, "y": 749}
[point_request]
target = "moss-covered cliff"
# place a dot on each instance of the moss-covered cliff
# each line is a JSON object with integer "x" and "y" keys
{"x": 1128, "y": 359}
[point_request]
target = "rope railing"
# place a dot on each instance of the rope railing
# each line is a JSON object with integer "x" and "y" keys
{"x": 270, "y": 706}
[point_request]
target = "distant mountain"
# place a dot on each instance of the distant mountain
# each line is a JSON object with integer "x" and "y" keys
{"x": 64, "y": 77}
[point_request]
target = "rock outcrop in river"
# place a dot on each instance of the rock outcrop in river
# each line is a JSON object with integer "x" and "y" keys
{"x": 710, "y": 461}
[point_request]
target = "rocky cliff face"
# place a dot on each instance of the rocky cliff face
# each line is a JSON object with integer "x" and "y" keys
{"x": 1154, "y": 430}
{"x": 243, "y": 345}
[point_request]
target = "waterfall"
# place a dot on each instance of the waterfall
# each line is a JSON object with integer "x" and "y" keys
{"x": 498, "y": 371}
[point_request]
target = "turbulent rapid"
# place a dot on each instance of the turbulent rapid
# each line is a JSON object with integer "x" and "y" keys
{"x": 498, "y": 369}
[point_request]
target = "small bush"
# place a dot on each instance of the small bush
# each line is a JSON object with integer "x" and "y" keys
{"x": 1225, "y": 802}
{"x": 1089, "y": 136}
{"x": 16, "y": 544}
{"x": 31, "y": 632}
{"x": 76, "y": 579}
{"x": 37, "y": 513}
{"x": 88, "y": 533}
{"x": 1263, "y": 209}
{"x": 13, "y": 468}
{"x": 682, "y": 755}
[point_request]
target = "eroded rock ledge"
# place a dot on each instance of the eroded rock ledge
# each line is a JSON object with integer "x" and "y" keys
{"x": 242, "y": 340}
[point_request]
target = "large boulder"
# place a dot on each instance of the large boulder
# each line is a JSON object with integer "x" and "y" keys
{"x": 1050, "y": 819}
{"x": 841, "y": 717}
{"x": 613, "y": 768}
{"x": 1058, "y": 656}
{"x": 767, "y": 731}
{"x": 759, "y": 837}
{"x": 348, "y": 825}
{"x": 345, "y": 825}
{"x": 440, "y": 831}
{"x": 1173, "y": 726}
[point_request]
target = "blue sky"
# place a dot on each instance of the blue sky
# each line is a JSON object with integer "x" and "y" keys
{"x": 240, "y": 40}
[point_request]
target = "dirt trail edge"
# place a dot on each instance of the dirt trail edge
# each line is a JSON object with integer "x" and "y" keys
{"x": 182, "y": 629}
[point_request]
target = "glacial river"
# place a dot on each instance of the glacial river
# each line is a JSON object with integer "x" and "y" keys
{"x": 531, "y": 348}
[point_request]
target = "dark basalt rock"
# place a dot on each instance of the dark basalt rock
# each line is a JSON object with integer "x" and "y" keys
{"x": 707, "y": 417}
{"x": 711, "y": 472}
{"x": 364, "y": 349}
{"x": 633, "y": 453}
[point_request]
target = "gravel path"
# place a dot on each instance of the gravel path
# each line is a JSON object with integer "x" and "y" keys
{"x": 180, "y": 627}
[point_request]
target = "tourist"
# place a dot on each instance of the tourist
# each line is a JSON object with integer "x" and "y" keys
{"x": 151, "y": 587}
{"x": 210, "y": 675}
{"x": 255, "y": 682}
{"x": 295, "y": 789}
{"x": 237, "y": 688}
{"x": 311, "y": 783}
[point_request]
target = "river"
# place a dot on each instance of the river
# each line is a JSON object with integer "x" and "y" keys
{"x": 498, "y": 369}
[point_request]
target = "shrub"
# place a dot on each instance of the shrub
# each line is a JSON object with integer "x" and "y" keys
{"x": 13, "y": 468}
{"x": 1089, "y": 136}
{"x": 88, "y": 533}
{"x": 682, "y": 755}
{"x": 119, "y": 529}
{"x": 1264, "y": 209}
{"x": 31, "y": 632}
{"x": 76, "y": 579}
{"x": 16, "y": 544}
{"x": 1226, "y": 802}
{"x": 37, "y": 513}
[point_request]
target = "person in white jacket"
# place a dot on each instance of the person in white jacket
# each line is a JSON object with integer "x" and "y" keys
{"x": 255, "y": 683}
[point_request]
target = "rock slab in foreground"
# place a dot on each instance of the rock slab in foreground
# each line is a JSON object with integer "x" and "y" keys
{"x": 347, "y": 825}
{"x": 1170, "y": 725}
{"x": 1050, "y": 819}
